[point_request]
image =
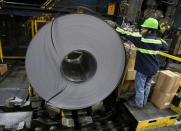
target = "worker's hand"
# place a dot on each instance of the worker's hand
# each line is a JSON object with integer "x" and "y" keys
{"x": 111, "y": 23}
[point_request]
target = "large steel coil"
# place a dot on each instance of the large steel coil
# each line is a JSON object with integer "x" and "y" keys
{"x": 75, "y": 61}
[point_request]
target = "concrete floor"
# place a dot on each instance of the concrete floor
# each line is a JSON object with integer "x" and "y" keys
{"x": 16, "y": 78}
{"x": 13, "y": 84}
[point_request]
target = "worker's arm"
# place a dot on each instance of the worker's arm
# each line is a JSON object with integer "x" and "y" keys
{"x": 164, "y": 45}
{"x": 135, "y": 38}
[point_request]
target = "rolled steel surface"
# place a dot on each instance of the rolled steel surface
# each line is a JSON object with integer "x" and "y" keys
{"x": 75, "y": 61}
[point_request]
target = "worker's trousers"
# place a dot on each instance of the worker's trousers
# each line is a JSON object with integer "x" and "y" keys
{"x": 142, "y": 87}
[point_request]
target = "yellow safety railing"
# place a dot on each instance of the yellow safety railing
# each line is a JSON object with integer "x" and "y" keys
{"x": 169, "y": 56}
{"x": 1, "y": 52}
{"x": 34, "y": 25}
{"x": 14, "y": 57}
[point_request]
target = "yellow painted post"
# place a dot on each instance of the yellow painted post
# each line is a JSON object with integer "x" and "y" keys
{"x": 62, "y": 112}
{"x": 1, "y": 52}
{"x": 30, "y": 90}
{"x": 32, "y": 28}
{"x": 35, "y": 23}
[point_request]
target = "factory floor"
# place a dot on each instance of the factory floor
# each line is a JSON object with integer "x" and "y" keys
{"x": 16, "y": 78}
{"x": 13, "y": 83}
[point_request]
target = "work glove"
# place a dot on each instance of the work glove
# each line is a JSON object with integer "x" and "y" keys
{"x": 111, "y": 23}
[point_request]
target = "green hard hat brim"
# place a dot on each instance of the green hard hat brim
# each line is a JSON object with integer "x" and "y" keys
{"x": 148, "y": 27}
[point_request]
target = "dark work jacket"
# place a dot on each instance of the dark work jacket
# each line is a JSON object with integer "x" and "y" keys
{"x": 147, "y": 47}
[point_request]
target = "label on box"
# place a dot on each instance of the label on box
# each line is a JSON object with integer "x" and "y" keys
{"x": 167, "y": 103}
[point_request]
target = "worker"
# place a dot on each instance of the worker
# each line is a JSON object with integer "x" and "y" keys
{"x": 147, "y": 61}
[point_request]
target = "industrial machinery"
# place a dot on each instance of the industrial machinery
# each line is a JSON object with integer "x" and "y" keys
{"x": 75, "y": 63}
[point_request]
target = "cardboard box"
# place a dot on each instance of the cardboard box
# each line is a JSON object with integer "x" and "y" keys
{"x": 125, "y": 87}
{"x": 128, "y": 86}
{"x": 131, "y": 74}
{"x": 168, "y": 81}
{"x": 131, "y": 87}
{"x": 153, "y": 83}
{"x": 131, "y": 63}
{"x": 3, "y": 68}
{"x": 160, "y": 99}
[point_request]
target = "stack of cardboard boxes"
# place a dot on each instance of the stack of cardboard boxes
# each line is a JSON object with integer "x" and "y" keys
{"x": 131, "y": 56}
{"x": 131, "y": 73}
{"x": 165, "y": 89}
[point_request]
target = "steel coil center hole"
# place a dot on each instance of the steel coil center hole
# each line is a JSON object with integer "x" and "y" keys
{"x": 79, "y": 66}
